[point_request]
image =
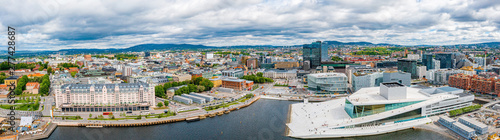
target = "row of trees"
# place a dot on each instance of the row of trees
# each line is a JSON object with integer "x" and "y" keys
{"x": 5, "y": 66}
{"x": 464, "y": 110}
{"x": 44, "y": 84}
{"x": 164, "y": 102}
{"x": 61, "y": 66}
{"x": 195, "y": 85}
{"x": 21, "y": 85}
{"x": 257, "y": 78}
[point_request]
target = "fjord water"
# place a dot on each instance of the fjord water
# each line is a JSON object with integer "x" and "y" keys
{"x": 265, "y": 119}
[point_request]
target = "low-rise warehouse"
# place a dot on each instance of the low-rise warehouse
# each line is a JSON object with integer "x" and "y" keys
{"x": 206, "y": 97}
{"x": 183, "y": 99}
{"x": 480, "y": 128}
{"x": 194, "y": 98}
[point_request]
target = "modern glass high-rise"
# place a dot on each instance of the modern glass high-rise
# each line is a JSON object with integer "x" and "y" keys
{"x": 427, "y": 61}
{"x": 445, "y": 59}
{"x": 409, "y": 66}
{"x": 324, "y": 52}
{"x": 315, "y": 53}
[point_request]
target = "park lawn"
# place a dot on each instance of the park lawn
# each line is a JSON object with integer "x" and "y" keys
{"x": 255, "y": 87}
{"x": 23, "y": 107}
{"x": 158, "y": 108}
{"x": 69, "y": 117}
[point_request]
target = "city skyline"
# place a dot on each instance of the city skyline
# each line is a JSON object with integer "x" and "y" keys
{"x": 55, "y": 25}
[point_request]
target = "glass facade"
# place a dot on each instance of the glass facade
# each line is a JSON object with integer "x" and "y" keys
{"x": 324, "y": 83}
{"x": 312, "y": 53}
{"x": 409, "y": 66}
{"x": 366, "y": 110}
{"x": 427, "y": 61}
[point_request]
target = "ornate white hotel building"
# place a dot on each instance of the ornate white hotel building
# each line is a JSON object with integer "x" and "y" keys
{"x": 104, "y": 97}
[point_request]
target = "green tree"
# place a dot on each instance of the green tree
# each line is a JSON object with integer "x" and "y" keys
{"x": 197, "y": 80}
{"x": 165, "y": 102}
{"x": 260, "y": 74}
{"x": 49, "y": 70}
{"x": 160, "y": 104}
{"x": 192, "y": 88}
{"x": 73, "y": 73}
{"x": 159, "y": 91}
{"x": 336, "y": 58}
{"x": 166, "y": 86}
{"x": 2, "y": 74}
{"x": 40, "y": 68}
{"x": 90, "y": 115}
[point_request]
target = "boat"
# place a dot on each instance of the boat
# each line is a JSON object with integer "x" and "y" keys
{"x": 220, "y": 113}
{"x": 211, "y": 115}
{"x": 192, "y": 119}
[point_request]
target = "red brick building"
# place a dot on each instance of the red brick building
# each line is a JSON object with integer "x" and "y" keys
{"x": 236, "y": 84}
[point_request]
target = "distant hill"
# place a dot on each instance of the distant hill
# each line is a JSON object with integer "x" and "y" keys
{"x": 151, "y": 47}
{"x": 357, "y": 43}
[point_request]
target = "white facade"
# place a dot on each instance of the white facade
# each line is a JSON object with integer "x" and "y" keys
{"x": 127, "y": 71}
{"x": 421, "y": 71}
{"x": 393, "y": 91}
{"x": 413, "y": 56}
{"x": 210, "y": 55}
{"x": 365, "y": 112}
{"x": 280, "y": 74}
{"x": 105, "y": 94}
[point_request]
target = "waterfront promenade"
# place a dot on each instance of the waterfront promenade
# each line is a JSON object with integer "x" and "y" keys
{"x": 144, "y": 122}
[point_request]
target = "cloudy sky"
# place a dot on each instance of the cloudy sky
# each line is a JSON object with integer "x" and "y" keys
{"x": 60, "y": 24}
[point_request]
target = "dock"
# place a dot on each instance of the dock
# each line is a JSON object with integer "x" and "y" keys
{"x": 46, "y": 133}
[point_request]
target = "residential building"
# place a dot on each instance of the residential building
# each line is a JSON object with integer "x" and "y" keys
{"x": 127, "y": 71}
{"x": 32, "y": 87}
{"x": 421, "y": 71}
{"x": 252, "y": 63}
